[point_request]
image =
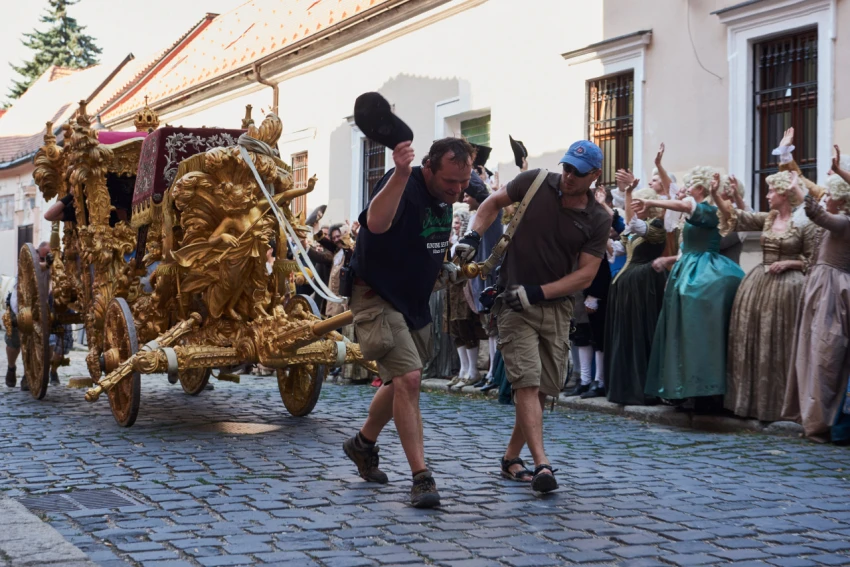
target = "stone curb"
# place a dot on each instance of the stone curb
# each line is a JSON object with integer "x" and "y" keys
{"x": 27, "y": 541}
{"x": 660, "y": 414}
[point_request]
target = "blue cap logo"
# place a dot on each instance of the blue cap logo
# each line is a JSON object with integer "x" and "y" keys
{"x": 584, "y": 156}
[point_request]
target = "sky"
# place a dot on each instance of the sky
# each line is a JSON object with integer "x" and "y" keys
{"x": 118, "y": 26}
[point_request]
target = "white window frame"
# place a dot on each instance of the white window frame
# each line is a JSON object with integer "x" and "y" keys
{"x": 749, "y": 24}
{"x": 626, "y": 54}
{"x": 357, "y": 205}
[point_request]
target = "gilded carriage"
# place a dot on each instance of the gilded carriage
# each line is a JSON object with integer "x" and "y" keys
{"x": 174, "y": 280}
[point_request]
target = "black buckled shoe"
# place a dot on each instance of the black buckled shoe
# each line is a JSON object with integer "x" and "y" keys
{"x": 367, "y": 461}
{"x": 596, "y": 391}
{"x": 578, "y": 390}
{"x": 423, "y": 493}
{"x": 54, "y": 378}
{"x": 25, "y": 385}
{"x": 11, "y": 377}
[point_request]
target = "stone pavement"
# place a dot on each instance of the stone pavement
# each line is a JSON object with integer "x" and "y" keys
{"x": 26, "y": 540}
{"x": 633, "y": 494}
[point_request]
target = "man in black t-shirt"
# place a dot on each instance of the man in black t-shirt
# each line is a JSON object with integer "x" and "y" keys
{"x": 399, "y": 256}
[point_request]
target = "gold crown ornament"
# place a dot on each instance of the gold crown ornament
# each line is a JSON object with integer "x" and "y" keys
{"x": 146, "y": 119}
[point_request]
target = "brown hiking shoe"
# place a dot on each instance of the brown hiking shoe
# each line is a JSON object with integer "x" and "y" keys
{"x": 424, "y": 493}
{"x": 366, "y": 460}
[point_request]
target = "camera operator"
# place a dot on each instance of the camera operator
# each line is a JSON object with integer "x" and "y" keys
{"x": 399, "y": 255}
{"x": 555, "y": 251}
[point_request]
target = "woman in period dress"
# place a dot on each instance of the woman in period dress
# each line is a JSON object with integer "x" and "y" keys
{"x": 634, "y": 303}
{"x": 761, "y": 328}
{"x": 820, "y": 356}
{"x": 688, "y": 357}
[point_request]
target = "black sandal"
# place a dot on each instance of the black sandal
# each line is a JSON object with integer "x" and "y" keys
{"x": 520, "y": 476}
{"x": 544, "y": 482}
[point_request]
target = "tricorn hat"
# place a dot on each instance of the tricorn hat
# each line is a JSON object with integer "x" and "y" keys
{"x": 375, "y": 118}
{"x": 519, "y": 151}
{"x": 477, "y": 189}
{"x": 482, "y": 154}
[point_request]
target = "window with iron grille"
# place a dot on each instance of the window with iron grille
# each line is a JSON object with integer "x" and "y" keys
{"x": 610, "y": 121}
{"x": 374, "y": 167}
{"x": 476, "y": 130}
{"x": 299, "y": 181}
{"x": 785, "y": 94}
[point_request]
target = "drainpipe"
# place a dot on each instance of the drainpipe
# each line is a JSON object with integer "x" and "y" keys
{"x": 262, "y": 81}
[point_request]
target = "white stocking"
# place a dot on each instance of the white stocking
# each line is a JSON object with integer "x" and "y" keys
{"x": 585, "y": 356}
{"x": 493, "y": 343}
{"x": 600, "y": 367}
{"x": 472, "y": 354}
{"x": 464, "y": 362}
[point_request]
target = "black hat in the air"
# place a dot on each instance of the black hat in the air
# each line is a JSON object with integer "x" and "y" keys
{"x": 375, "y": 118}
{"x": 519, "y": 151}
{"x": 477, "y": 189}
{"x": 482, "y": 154}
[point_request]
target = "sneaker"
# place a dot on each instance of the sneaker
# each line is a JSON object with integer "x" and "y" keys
{"x": 54, "y": 378}
{"x": 25, "y": 385}
{"x": 423, "y": 493}
{"x": 367, "y": 461}
{"x": 578, "y": 390}
{"x": 11, "y": 377}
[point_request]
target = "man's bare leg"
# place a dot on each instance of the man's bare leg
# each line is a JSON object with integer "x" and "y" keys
{"x": 528, "y": 427}
{"x": 380, "y": 413}
{"x": 408, "y": 419}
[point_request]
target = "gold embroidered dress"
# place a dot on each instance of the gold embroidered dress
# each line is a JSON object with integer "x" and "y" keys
{"x": 761, "y": 329}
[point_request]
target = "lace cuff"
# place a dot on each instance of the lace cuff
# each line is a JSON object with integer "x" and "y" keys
{"x": 784, "y": 153}
{"x": 637, "y": 226}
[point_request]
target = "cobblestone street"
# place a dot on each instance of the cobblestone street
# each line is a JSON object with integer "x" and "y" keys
{"x": 631, "y": 493}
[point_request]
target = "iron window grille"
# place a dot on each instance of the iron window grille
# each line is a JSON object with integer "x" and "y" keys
{"x": 374, "y": 167}
{"x": 299, "y": 181}
{"x": 785, "y": 94}
{"x": 610, "y": 104}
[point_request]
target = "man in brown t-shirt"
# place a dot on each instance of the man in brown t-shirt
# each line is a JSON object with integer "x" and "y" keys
{"x": 555, "y": 252}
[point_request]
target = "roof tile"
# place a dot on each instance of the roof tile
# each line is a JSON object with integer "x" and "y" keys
{"x": 280, "y": 19}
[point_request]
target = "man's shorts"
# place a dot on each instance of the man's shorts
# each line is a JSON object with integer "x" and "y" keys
{"x": 13, "y": 340}
{"x": 383, "y": 335}
{"x": 67, "y": 341}
{"x": 535, "y": 345}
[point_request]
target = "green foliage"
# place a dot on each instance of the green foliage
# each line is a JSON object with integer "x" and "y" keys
{"x": 63, "y": 44}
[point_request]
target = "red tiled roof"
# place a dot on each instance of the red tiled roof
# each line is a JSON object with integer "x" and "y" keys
{"x": 136, "y": 74}
{"x": 236, "y": 39}
{"x": 49, "y": 98}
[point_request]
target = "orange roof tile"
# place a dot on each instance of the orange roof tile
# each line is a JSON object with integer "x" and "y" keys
{"x": 247, "y": 33}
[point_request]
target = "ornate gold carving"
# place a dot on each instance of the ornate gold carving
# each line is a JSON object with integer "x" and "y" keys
{"x": 247, "y": 121}
{"x": 146, "y": 119}
{"x": 49, "y": 164}
{"x": 125, "y": 157}
{"x": 227, "y": 227}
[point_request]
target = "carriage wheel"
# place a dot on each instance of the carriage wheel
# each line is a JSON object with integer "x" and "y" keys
{"x": 119, "y": 338}
{"x": 194, "y": 380}
{"x": 34, "y": 321}
{"x": 300, "y": 386}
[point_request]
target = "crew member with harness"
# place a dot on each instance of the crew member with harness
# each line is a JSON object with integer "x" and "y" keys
{"x": 554, "y": 252}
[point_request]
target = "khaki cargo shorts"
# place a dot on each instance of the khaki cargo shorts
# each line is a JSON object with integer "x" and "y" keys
{"x": 383, "y": 335}
{"x": 535, "y": 345}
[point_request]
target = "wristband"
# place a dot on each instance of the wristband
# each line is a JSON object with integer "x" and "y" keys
{"x": 534, "y": 293}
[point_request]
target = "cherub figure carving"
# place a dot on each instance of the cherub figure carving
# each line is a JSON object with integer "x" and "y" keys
{"x": 227, "y": 225}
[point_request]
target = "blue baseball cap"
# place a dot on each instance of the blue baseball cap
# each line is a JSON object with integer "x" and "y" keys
{"x": 584, "y": 156}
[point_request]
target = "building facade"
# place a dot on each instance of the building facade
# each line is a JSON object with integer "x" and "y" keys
{"x": 717, "y": 81}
